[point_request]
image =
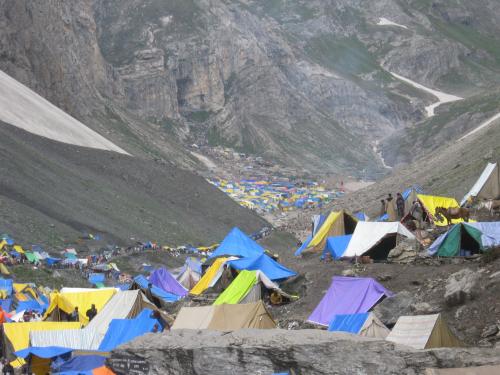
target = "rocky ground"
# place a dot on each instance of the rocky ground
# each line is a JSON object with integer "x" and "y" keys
{"x": 276, "y": 351}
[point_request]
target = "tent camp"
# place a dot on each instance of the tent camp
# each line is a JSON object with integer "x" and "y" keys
{"x": 410, "y": 195}
{"x": 336, "y": 246}
{"x": 348, "y": 295}
{"x": 238, "y": 244}
{"x": 363, "y": 324}
{"x": 247, "y": 287}
{"x": 376, "y": 239}
{"x": 429, "y": 204}
{"x": 190, "y": 273}
{"x": 466, "y": 239}
{"x": 225, "y": 317}
{"x": 165, "y": 281}
{"x": 423, "y": 332}
{"x": 66, "y": 303}
{"x": 272, "y": 269}
{"x": 161, "y": 296}
{"x": 487, "y": 185}
{"x": 336, "y": 224}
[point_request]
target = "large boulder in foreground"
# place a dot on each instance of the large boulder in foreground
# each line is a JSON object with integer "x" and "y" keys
{"x": 191, "y": 352}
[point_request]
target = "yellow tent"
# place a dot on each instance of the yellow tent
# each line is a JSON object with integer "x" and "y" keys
{"x": 4, "y": 270}
{"x": 336, "y": 224}
{"x": 209, "y": 275}
{"x": 2, "y": 244}
{"x": 18, "y": 334}
{"x": 83, "y": 300}
{"x": 19, "y": 249}
{"x": 429, "y": 204}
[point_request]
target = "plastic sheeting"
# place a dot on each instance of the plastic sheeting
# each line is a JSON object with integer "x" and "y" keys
{"x": 83, "y": 300}
{"x": 123, "y": 330}
{"x": 368, "y": 234}
{"x": 449, "y": 244}
{"x": 351, "y": 323}
{"x": 211, "y": 276}
{"x": 81, "y": 363}
{"x": 157, "y": 292}
{"x": 348, "y": 295}
{"x": 490, "y": 232}
{"x": 238, "y": 244}
{"x": 165, "y": 281}
{"x": 6, "y": 284}
{"x": 429, "y": 204}
{"x": 46, "y": 352}
{"x": 264, "y": 263}
{"x": 238, "y": 289}
{"x": 336, "y": 246}
{"x": 95, "y": 278}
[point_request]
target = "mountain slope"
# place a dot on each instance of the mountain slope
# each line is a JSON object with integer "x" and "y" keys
{"x": 51, "y": 191}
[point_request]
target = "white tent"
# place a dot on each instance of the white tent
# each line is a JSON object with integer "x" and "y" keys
{"x": 423, "y": 332}
{"x": 194, "y": 317}
{"x": 373, "y": 327}
{"x": 487, "y": 185}
{"x": 368, "y": 235}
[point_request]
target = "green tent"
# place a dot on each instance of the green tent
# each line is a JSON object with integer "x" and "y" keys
{"x": 31, "y": 257}
{"x": 460, "y": 236}
{"x": 239, "y": 288}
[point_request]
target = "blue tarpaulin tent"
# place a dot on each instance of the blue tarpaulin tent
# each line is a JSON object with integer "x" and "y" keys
{"x": 43, "y": 352}
{"x": 303, "y": 246}
{"x": 361, "y": 216}
{"x": 52, "y": 261}
{"x": 29, "y": 305}
{"x": 336, "y": 246}
{"x": 6, "y": 284}
{"x": 81, "y": 364}
{"x": 96, "y": 278}
{"x": 6, "y": 304}
{"x": 348, "y": 323}
{"x": 264, "y": 263}
{"x": 121, "y": 331}
{"x": 157, "y": 292}
{"x": 238, "y": 244}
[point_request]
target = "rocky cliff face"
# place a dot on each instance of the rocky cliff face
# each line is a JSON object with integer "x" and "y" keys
{"x": 303, "y": 82}
{"x": 273, "y": 351}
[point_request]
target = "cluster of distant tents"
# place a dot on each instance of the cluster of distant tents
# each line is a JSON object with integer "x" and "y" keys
{"x": 345, "y": 235}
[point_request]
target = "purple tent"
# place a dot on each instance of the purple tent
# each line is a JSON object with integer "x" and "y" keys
{"x": 348, "y": 295}
{"x": 164, "y": 280}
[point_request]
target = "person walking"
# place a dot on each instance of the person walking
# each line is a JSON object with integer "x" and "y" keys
{"x": 400, "y": 205}
{"x": 390, "y": 208}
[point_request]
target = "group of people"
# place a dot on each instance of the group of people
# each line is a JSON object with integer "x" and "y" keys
{"x": 75, "y": 315}
{"x": 395, "y": 209}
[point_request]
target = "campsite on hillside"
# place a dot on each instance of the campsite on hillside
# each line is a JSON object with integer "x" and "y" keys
{"x": 265, "y": 187}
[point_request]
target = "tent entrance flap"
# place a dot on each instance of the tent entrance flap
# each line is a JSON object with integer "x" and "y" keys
{"x": 381, "y": 250}
{"x": 349, "y": 224}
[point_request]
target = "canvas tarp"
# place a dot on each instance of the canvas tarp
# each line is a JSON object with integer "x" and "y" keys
{"x": 423, "y": 332}
{"x": 264, "y": 263}
{"x": 480, "y": 370}
{"x": 237, "y": 243}
{"x": 165, "y": 281}
{"x": 348, "y": 295}
{"x": 429, "y": 204}
{"x": 212, "y": 274}
{"x": 4, "y": 270}
{"x": 336, "y": 224}
{"x": 83, "y": 300}
{"x": 487, "y": 185}
{"x": 368, "y": 235}
{"x": 189, "y": 278}
{"x": 123, "y": 330}
{"x": 247, "y": 315}
{"x": 336, "y": 246}
{"x": 458, "y": 237}
{"x": 194, "y": 317}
